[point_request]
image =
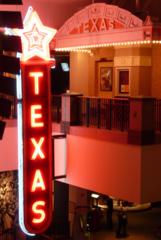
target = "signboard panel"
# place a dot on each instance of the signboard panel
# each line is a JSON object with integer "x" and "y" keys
{"x": 34, "y": 126}
{"x": 37, "y": 171}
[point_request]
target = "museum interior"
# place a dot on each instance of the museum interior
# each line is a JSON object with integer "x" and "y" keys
{"x": 80, "y": 119}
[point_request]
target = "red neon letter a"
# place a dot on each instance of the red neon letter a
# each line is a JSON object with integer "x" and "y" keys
{"x": 38, "y": 182}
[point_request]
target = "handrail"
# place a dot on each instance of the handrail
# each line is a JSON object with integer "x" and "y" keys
{"x": 56, "y": 108}
{"x": 104, "y": 113}
{"x": 158, "y": 115}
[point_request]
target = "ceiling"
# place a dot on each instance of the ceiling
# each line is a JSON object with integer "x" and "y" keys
{"x": 54, "y": 13}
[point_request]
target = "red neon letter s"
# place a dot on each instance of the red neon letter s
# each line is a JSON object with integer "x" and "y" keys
{"x": 36, "y": 208}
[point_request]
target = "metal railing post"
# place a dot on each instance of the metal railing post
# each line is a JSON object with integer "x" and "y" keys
{"x": 87, "y": 111}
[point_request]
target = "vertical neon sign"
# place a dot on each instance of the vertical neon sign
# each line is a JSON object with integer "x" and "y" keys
{"x": 34, "y": 124}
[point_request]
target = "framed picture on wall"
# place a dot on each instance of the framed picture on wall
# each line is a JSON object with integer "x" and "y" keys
{"x": 123, "y": 81}
{"x": 106, "y": 78}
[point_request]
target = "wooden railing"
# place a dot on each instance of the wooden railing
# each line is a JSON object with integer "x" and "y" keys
{"x": 56, "y": 108}
{"x": 101, "y": 113}
{"x": 104, "y": 113}
{"x": 158, "y": 115}
{"x": 97, "y": 112}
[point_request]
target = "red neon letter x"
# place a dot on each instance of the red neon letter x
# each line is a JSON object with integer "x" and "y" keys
{"x": 37, "y": 150}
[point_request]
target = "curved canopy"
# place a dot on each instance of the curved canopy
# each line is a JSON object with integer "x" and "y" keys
{"x": 101, "y": 24}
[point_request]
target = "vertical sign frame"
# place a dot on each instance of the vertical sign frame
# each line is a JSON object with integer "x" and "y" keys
{"x": 37, "y": 152}
{"x": 34, "y": 127}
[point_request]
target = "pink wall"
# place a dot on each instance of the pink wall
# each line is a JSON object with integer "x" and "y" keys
{"x": 9, "y": 147}
{"x": 116, "y": 168}
{"x": 54, "y": 13}
{"x": 105, "y": 167}
{"x": 121, "y": 170}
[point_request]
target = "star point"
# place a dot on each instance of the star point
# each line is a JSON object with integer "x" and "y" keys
{"x": 35, "y": 37}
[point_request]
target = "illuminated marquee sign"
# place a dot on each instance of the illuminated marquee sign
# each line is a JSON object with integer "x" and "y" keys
{"x": 37, "y": 147}
{"x": 95, "y": 25}
{"x": 34, "y": 123}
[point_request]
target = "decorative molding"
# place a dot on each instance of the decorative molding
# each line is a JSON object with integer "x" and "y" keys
{"x": 99, "y": 17}
{"x": 132, "y": 61}
{"x": 99, "y": 23}
{"x": 102, "y": 24}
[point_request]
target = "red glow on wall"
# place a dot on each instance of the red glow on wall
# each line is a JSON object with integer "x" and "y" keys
{"x": 37, "y": 146}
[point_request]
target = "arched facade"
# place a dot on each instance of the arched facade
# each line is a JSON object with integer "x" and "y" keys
{"x": 101, "y": 23}
{"x": 112, "y": 52}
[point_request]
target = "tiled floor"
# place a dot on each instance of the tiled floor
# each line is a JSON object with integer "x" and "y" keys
{"x": 142, "y": 225}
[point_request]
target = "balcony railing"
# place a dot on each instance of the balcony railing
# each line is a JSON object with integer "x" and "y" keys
{"x": 56, "y": 108}
{"x": 97, "y": 112}
{"x": 158, "y": 115}
{"x": 104, "y": 113}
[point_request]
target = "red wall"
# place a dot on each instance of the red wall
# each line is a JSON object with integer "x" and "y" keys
{"x": 124, "y": 171}
{"x": 53, "y": 13}
{"x": 151, "y": 173}
{"x": 106, "y": 167}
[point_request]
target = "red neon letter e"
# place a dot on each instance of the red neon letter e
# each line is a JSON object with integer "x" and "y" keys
{"x": 36, "y": 115}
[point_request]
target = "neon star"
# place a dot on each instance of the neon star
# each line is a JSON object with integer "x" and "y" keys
{"x": 35, "y": 37}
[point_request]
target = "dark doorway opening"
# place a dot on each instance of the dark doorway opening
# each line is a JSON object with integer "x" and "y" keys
{"x": 60, "y": 74}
